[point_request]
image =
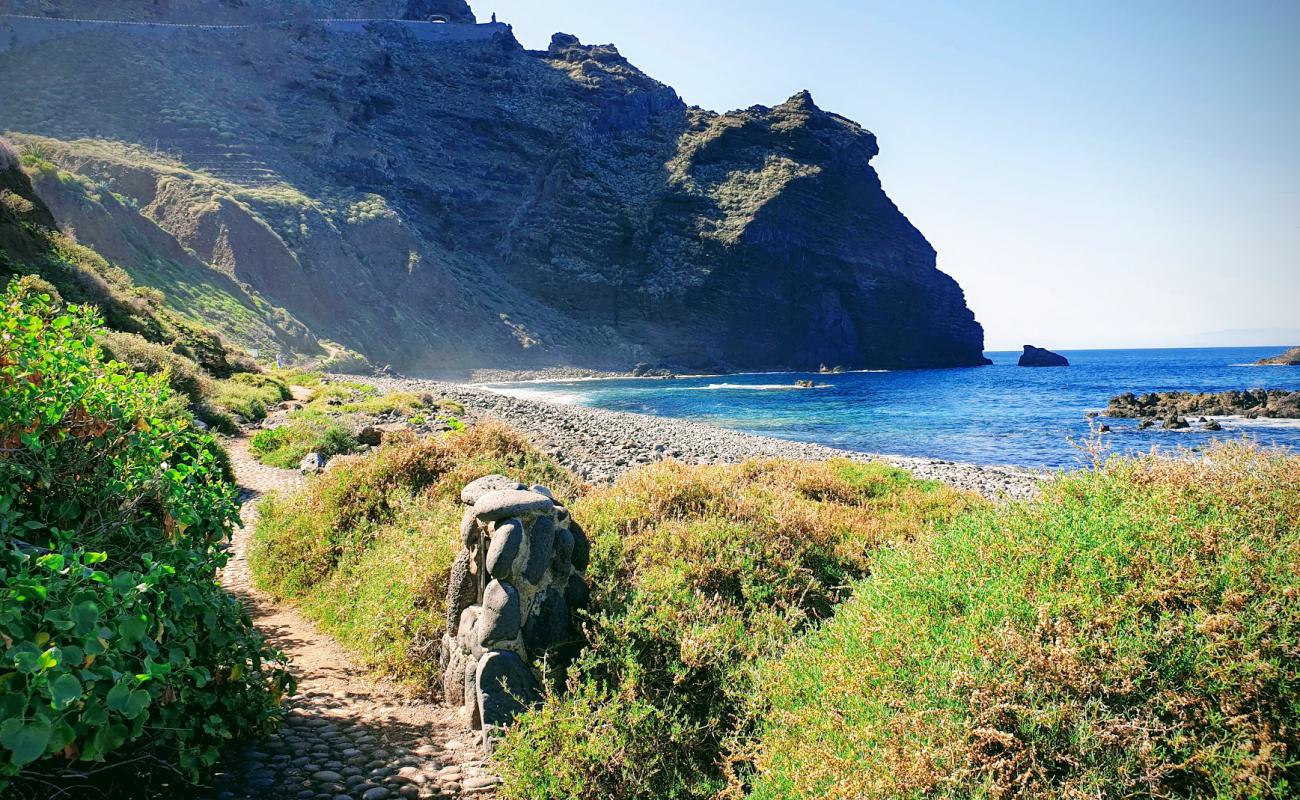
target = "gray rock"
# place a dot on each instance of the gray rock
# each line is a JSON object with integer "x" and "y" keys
{"x": 1039, "y": 357}
{"x": 505, "y": 686}
{"x": 468, "y": 529}
{"x": 377, "y": 793}
{"x": 370, "y": 435}
{"x": 541, "y": 543}
{"x": 466, "y": 633}
{"x": 488, "y": 483}
{"x": 581, "y": 546}
{"x": 548, "y": 623}
{"x": 500, "y": 618}
{"x": 561, "y": 558}
{"x": 312, "y": 462}
{"x": 462, "y": 590}
{"x": 507, "y": 540}
{"x": 542, "y": 490}
{"x": 510, "y": 503}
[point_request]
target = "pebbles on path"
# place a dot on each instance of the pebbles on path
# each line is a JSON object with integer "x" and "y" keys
{"x": 599, "y": 445}
{"x": 346, "y": 735}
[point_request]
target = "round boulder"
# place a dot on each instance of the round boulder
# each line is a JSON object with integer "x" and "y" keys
{"x": 507, "y": 503}
{"x": 488, "y": 483}
{"x": 506, "y": 540}
{"x": 500, "y": 619}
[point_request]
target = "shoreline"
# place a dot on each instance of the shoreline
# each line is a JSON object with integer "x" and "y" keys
{"x": 599, "y": 445}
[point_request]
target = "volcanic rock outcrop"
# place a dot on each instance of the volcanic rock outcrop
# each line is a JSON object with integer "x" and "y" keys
{"x": 1040, "y": 357}
{"x": 438, "y": 198}
{"x": 1251, "y": 403}
{"x": 1290, "y": 358}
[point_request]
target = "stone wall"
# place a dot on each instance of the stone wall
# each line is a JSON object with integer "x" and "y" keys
{"x": 510, "y": 601}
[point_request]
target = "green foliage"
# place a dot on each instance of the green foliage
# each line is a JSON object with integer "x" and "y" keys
{"x": 697, "y": 574}
{"x": 366, "y": 548}
{"x": 249, "y": 401}
{"x": 305, "y": 432}
{"x": 1134, "y": 633}
{"x": 117, "y": 642}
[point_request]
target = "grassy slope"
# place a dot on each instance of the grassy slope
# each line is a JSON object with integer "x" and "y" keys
{"x": 144, "y": 331}
{"x": 366, "y": 549}
{"x": 1134, "y": 633}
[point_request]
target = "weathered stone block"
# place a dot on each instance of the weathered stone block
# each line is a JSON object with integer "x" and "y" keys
{"x": 461, "y": 590}
{"x": 541, "y": 543}
{"x": 548, "y": 622}
{"x": 505, "y": 686}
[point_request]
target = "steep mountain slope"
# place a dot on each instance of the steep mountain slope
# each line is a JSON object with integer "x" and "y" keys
{"x": 438, "y": 198}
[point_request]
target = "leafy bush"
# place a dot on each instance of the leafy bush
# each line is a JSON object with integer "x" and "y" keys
{"x": 183, "y": 375}
{"x": 1135, "y": 633}
{"x": 251, "y": 402}
{"x": 697, "y": 573}
{"x": 118, "y": 644}
{"x": 305, "y": 432}
{"x": 366, "y": 548}
{"x": 274, "y": 385}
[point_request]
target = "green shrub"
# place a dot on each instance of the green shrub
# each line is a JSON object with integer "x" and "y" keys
{"x": 245, "y": 399}
{"x": 697, "y": 573}
{"x": 261, "y": 380}
{"x": 118, "y": 644}
{"x": 141, "y": 355}
{"x": 1134, "y": 633}
{"x": 366, "y": 548}
{"x": 305, "y": 432}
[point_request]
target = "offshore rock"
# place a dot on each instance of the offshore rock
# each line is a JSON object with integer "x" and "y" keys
{"x": 1040, "y": 357}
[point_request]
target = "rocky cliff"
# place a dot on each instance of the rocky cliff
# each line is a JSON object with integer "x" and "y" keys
{"x": 439, "y": 198}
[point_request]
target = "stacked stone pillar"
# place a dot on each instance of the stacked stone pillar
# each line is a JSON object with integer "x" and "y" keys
{"x": 514, "y": 587}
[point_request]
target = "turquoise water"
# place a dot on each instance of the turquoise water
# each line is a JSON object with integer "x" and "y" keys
{"x": 1000, "y": 414}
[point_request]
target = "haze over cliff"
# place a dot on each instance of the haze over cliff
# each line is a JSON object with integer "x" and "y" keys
{"x": 439, "y": 198}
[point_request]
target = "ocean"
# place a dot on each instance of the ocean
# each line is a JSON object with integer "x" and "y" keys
{"x": 999, "y": 414}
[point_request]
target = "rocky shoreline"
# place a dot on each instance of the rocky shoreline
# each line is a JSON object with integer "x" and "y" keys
{"x": 1173, "y": 407}
{"x": 599, "y": 445}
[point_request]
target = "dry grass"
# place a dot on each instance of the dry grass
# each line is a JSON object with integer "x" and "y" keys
{"x": 697, "y": 574}
{"x": 366, "y": 548}
{"x": 1134, "y": 633}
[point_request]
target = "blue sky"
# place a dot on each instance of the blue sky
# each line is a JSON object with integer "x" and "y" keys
{"x": 1094, "y": 174}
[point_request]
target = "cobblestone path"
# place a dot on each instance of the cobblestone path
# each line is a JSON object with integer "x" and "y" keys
{"x": 348, "y": 736}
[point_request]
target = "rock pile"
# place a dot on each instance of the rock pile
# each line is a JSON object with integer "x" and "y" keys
{"x": 513, "y": 588}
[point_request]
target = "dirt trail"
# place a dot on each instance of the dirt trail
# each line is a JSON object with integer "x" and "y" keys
{"x": 347, "y": 736}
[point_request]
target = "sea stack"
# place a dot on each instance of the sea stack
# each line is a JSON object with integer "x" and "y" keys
{"x": 1039, "y": 357}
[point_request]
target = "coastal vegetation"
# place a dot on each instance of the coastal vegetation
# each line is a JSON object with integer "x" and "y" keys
{"x": 118, "y": 645}
{"x": 780, "y": 629}
{"x": 365, "y": 550}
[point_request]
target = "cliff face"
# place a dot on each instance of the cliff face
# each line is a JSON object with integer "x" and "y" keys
{"x": 439, "y": 198}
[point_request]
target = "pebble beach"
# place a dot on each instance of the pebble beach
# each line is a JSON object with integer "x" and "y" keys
{"x": 599, "y": 445}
